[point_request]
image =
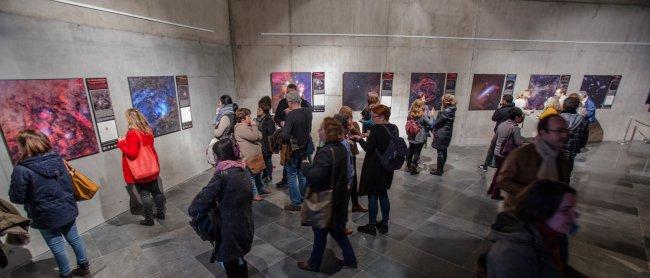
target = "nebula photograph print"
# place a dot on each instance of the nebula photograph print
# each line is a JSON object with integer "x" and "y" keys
{"x": 155, "y": 97}
{"x": 57, "y": 107}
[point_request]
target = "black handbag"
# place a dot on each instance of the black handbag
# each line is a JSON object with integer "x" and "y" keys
{"x": 316, "y": 210}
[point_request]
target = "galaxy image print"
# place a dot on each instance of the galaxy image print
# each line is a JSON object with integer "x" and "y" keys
{"x": 155, "y": 97}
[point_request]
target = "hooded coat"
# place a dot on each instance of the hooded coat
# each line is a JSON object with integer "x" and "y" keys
{"x": 43, "y": 184}
{"x": 578, "y": 127}
{"x": 519, "y": 250}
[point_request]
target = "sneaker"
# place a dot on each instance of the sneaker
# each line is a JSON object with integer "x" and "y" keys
{"x": 159, "y": 216}
{"x": 147, "y": 222}
{"x": 82, "y": 270}
{"x": 305, "y": 266}
{"x": 367, "y": 229}
{"x": 343, "y": 263}
{"x": 382, "y": 227}
{"x": 359, "y": 208}
{"x": 483, "y": 167}
{"x": 292, "y": 208}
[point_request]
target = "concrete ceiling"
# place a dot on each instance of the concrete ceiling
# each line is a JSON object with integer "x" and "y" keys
{"x": 610, "y": 2}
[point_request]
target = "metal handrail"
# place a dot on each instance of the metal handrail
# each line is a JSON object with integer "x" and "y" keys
{"x": 634, "y": 131}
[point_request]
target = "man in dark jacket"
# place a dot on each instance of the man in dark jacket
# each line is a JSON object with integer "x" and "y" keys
{"x": 266, "y": 126}
{"x": 280, "y": 118}
{"x": 578, "y": 127}
{"x": 297, "y": 133}
{"x": 499, "y": 116}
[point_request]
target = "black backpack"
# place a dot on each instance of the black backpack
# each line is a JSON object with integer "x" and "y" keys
{"x": 393, "y": 158}
{"x": 231, "y": 127}
{"x": 207, "y": 226}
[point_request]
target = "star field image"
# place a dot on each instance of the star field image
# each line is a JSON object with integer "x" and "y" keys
{"x": 543, "y": 87}
{"x": 57, "y": 107}
{"x": 280, "y": 81}
{"x": 486, "y": 91}
{"x": 356, "y": 86}
{"x": 155, "y": 97}
{"x": 596, "y": 87}
{"x": 432, "y": 85}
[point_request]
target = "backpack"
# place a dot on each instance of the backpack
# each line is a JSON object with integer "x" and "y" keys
{"x": 275, "y": 141}
{"x": 231, "y": 127}
{"x": 207, "y": 225}
{"x": 412, "y": 128}
{"x": 393, "y": 158}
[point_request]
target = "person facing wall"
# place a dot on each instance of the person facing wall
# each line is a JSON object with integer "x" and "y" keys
{"x": 40, "y": 181}
{"x": 442, "y": 129}
{"x": 247, "y": 137}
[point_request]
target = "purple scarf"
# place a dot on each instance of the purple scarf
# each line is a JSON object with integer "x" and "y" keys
{"x": 228, "y": 164}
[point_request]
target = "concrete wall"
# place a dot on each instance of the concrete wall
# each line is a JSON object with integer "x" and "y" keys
{"x": 257, "y": 56}
{"x": 43, "y": 48}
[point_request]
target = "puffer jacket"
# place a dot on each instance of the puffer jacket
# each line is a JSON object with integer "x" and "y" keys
{"x": 578, "y": 127}
{"x": 421, "y": 137}
{"x": 519, "y": 250}
{"x": 44, "y": 186}
{"x": 443, "y": 128}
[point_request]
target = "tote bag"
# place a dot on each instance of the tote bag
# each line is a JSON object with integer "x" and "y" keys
{"x": 145, "y": 164}
{"x": 256, "y": 164}
{"x": 316, "y": 210}
{"x": 83, "y": 187}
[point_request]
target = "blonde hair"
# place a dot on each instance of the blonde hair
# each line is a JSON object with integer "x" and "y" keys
{"x": 32, "y": 142}
{"x": 554, "y": 102}
{"x": 373, "y": 99}
{"x": 448, "y": 100}
{"x": 137, "y": 121}
{"x": 417, "y": 109}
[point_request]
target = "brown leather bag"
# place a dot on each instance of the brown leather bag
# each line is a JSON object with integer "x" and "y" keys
{"x": 285, "y": 154}
{"x": 83, "y": 187}
{"x": 256, "y": 164}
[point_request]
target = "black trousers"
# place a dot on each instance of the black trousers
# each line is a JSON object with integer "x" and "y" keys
{"x": 442, "y": 158}
{"x": 413, "y": 156}
{"x": 354, "y": 185}
{"x": 236, "y": 269}
{"x": 149, "y": 194}
{"x": 490, "y": 153}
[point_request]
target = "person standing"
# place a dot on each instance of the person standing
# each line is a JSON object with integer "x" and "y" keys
{"x": 539, "y": 160}
{"x": 366, "y": 117}
{"x": 41, "y": 182}
{"x": 578, "y": 127}
{"x": 280, "y": 117}
{"x": 522, "y": 100}
{"x": 508, "y": 138}
{"x": 532, "y": 239}
{"x": 353, "y": 129}
{"x": 551, "y": 107}
{"x": 266, "y": 126}
{"x": 330, "y": 171}
{"x": 375, "y": 180}
{"x": 231, "y": 190}
{"x": 139, "y": 136}
{"x": 417, "y": 128}
{"x": 498, "y": 116}
{"x": 589, "y": 106}
{"x": 443, "y": 128}
{"x": 225, "y": 120}
{"x": 296, "y": 132}
{"x": 247, "y": 137}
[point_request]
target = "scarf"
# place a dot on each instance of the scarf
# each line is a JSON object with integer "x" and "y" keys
{"x": 228, "y": 164}
{"x": 226, "y": 109}
{"x": 548, "y": 169}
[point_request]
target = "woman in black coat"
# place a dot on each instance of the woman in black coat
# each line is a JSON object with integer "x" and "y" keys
{"x": 443, "y": 128}
{"x": 375, "y": 180}
{"x": 330, "y": 171}
{"x": 231, "y": 189}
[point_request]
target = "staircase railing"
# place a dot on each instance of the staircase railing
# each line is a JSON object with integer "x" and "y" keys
{"x": 635, "y": 130}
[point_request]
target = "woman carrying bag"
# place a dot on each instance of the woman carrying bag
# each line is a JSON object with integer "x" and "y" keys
{"x": 248, "y": 136}
{"x": 42, "y": 183}
{"x": 140, "y": 165}
{"x": 326, "y": 205}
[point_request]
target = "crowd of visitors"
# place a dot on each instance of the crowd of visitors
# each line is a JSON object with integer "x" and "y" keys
{"x": 532, "y": 176}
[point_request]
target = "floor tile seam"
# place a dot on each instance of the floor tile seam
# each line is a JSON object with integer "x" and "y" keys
{"x": 609, "y": 265}
{"x": 403, "y": 265}
{"x": 443, "y": 259}
{"x": 464, "y": 232}
{"x": 646, "y": 269}
{"x": 641, "y": 246}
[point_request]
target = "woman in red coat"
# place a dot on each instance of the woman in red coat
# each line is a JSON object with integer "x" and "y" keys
{"x": 140, "y": 134}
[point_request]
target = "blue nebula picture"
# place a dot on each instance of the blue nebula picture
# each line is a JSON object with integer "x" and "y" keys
{"x": 155, "y": 97}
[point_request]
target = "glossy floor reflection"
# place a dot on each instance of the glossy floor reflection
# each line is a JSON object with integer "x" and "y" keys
{"x": 438, "y": 227}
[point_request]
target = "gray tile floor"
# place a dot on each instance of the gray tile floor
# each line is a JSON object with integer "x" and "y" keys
{"x": 438, "y": 228}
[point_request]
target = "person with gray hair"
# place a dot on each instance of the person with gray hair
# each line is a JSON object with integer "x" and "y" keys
{"x": 297, "y": 133}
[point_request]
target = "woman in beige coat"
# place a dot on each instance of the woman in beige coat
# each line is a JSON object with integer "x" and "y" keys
{"x": 248, "y": 136}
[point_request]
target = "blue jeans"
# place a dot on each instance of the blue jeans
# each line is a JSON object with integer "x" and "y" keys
{"x": 373, "y": 208}
{"x": 55, "y": 240}
{"x": 320, "y": 241}
{"x": 296, "y": 181}
{"x": 253, "y": 178}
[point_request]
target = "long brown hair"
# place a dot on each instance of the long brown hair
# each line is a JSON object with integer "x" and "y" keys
{"x": 448, "y": 100}
{"x": 333, "y": 129}
{"x": 373, "y": 99}
{"x": 137, "y": 121}
{"x": 33, "y": 142}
